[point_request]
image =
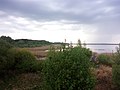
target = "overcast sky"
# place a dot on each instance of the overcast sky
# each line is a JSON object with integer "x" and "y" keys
{"x": 56, "y": 20}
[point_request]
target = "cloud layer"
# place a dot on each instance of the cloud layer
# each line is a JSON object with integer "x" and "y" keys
{"x": 90, "y": 20}
{"x": 84, "y": 11}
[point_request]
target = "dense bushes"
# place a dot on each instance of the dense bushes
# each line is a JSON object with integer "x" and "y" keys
{"x": 68, "y": 70}
{"x": 4, "y": 47}
{"x": 14, "y": 63}
{"x": 116, "y": 70}
{"x": 105, "y": 59}
{"x": 23, "y": 60}
{"x": 16, "y": 59}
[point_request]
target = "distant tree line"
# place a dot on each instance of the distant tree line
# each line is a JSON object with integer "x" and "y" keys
{"x": 25, "y": 42}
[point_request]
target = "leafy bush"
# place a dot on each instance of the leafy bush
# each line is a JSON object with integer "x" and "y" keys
{"x": 87, "y": 52}
{"x": 10, "y": 58}
{"x": 24, "y": 60}
{"x": 116, "y": 75}
{"x": 105, "y": 59}
{"x": 4, "y": 47}
{"x": 16, "y": 59}
{"x": 37, "y": 66}
{"x": 116, "y": 70}
{"x": 7, "y": 39}
{"x": 69, "y": 69}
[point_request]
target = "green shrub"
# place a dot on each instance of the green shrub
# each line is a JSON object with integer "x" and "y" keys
{"x": 16, "y": 59}
{"x": 24, "y": 61}
{"x": 116, "y": 75}
{"x": 105, "y": 60}
{"x": 116, "y": 70}
{"x": 37, "y": 66}
{"x": 10, "y": 54}
{"x": 68, "y": 70}
{"x": 4, "y": 47}
{"x": 87, "y": 52}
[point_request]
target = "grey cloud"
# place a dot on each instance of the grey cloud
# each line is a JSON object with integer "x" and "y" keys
{"x": 84, "y": 11}
{"x": 104, "y": 14}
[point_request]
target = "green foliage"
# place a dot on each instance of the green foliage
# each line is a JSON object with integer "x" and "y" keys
{"x": 7, "y": 39}
{"x": 116, "y": 75}
{"x": 4, "y": 47}
{"x": 87, "y": 52}
{"x": 16, "y": 59}
{"x": 24, "y": 61}
{"x": 25, "y": 42}
{"x": 37, "y": 66}
{"x": 69, "y": 69}
{"x": 116, "y": 70}
{"x": 10, "y": 58}
{"x": 30, "y": 43}
{"x": 105, "y": 59}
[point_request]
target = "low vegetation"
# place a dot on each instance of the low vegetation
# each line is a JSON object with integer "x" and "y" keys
{"x": 63, "y": 69}
{"x": 69, "y": 69}
{"x": 105, "y": 59}
{"x": 25, "y": 42}
{"x": 116, "y": 69}
{"x": 4, "y": 47}
{"x": 14, "y": 65}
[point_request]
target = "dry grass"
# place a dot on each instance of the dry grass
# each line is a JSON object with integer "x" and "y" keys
{"x": 26, "y": 81}
{"x": 104, "y": 78}
{"x": 39, "y": 52}
{"x": 42, "y": 48}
